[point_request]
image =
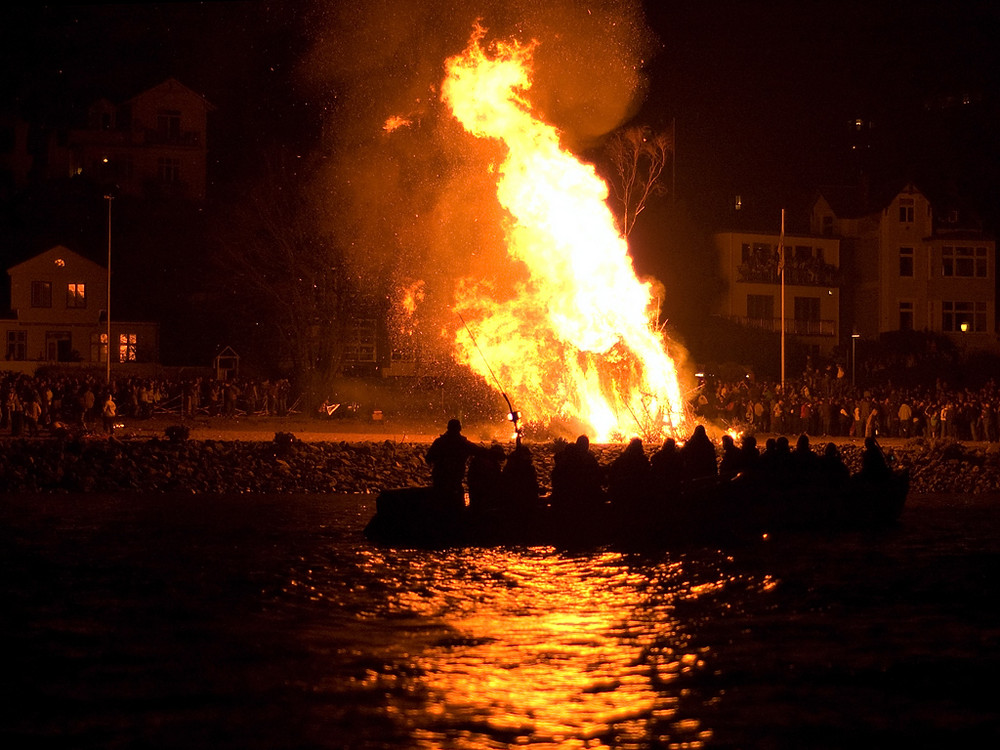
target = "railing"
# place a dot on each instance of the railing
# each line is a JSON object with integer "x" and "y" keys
{"x": 792, "y": 326}
{"x": 797, "y": 273}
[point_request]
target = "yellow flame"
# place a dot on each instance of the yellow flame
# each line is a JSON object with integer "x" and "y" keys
{"x": 574, "y": 340}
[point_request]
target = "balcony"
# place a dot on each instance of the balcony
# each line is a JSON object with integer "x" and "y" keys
{"x": 792, "y": 326}
{"x": 809, "y": 272}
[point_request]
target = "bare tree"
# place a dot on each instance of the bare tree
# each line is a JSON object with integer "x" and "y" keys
{"x": 285, "y": 275}
{"x": 639, "y": 156}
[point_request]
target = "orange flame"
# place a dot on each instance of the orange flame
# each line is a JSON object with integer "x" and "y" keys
{"x": 574, "y": 339}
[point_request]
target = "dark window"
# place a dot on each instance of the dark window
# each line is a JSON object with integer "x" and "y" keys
{"x": 963, "y": 317}
{"x": 41, "y": 294}
{"x": 906, "y": 316}
{"x": 760, "y": 307}
{"x": 963, "y": 262}
{"x": 17, "y": 345}
{"x": 906, "y": 261}
{"x": 807, "y": 308}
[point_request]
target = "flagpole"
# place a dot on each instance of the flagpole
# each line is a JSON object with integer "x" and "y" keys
{"x": 781, "y": 265}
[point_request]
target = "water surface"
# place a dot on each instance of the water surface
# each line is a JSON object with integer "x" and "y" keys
{"x": 270, "y": 622}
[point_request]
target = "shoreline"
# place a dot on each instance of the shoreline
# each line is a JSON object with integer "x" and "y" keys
{"x": 308, "y": 455}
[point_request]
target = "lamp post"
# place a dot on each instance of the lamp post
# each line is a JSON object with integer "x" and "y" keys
{"x": 854, "y": 357}
{"x": 107, "y": 311}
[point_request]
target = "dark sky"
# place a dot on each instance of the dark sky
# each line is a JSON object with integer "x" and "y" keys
{"x": 761, "y": 93}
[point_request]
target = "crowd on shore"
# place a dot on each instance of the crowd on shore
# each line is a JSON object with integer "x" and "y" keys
{"x": 30, "y": 405}
{"x": 825, "y": 404}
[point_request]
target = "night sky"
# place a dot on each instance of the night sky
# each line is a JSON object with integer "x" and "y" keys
{"x": 762, "y": 99}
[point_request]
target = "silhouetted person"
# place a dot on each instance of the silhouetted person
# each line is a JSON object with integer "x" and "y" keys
{"x": 520, "y": 480}
{"x": 832, "y": 466}
{"x": 698, "y": 456}
{"x": 577, "y": 477}
{"x": 749, "y": 453}
{"x": 485, "y": 479}
{"x": 874, "y": 467}
{"x": 732, "y": 458}
{"x": 665, "y": 468}
{"x": 628, "y": 475}
{"x": 447, "y": 457}
{"x": 804, "y": 463}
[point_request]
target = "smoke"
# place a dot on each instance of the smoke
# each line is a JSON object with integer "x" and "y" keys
{"x": 406, "y": 191}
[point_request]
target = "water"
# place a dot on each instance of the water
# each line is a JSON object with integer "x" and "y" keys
{"x": 269, "y": 622}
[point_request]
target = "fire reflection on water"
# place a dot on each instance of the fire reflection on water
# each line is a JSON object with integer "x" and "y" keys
{"x": 543, "y": 649}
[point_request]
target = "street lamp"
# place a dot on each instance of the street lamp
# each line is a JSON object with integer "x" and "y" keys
{"x": 107, "y": 312}
{"x": 854, "y": 356}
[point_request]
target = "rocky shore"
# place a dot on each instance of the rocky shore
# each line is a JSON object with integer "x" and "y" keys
{"x": 286, "y": 464}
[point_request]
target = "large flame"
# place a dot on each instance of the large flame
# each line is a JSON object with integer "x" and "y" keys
{"x": 573, "y": 339}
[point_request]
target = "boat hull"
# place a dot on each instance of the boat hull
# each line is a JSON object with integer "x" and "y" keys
{"x": 712, "y": 512}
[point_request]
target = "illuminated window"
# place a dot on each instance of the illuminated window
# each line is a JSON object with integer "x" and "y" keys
{"x": 76, "y": 295}
{"x": 41, "y": 294}
{"x": 17, "y": 345}
{"x": 126, "y": 347}
{"x": 963, "y": 262}
{"x": 98, "y": 347}
{"x": 963, "y": 317}
{"x": 906, "y": 261}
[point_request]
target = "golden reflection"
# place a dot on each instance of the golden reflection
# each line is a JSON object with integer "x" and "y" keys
{"x": 549, "y": 650}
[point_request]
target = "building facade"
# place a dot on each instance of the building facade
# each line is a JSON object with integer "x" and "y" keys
{"x": 912, "y": 269}
{"x": 155, "y": 144}
{"x": 59, "y": 315}
{"x": 751, "y": 267}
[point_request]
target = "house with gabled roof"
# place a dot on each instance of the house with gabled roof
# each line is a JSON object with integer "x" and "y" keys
{"x": 911, "y": 263}
{"x": 59, "y": 305}
{"x": 154, "y": 144}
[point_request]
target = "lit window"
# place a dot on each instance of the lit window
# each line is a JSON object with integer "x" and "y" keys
{"x": 126, "y": 347}
{"x": 76, "y": 295}
{"x": 98, "y": 347}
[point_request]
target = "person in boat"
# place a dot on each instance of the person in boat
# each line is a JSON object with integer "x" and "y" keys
{"x": 832, "y": 467}
{"x": 804, "y": 463}
{"x": 698, "y": 456}
{"x": 519, "y": 479}
{"x": 485, "y": 479}
{"x": 732, "y": 458}
{"x": 577, "y": 477}
{"x": 749, "y": 453}
{"x": 874, "y": 466}
{"x": 448, "y": 456}
{"x": 665, "y": 469}
{"x": 628, "y": 475}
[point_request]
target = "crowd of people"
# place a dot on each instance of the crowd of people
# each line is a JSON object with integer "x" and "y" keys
{"x": 30, "y": 404}
{"x": 821, "y": 404}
